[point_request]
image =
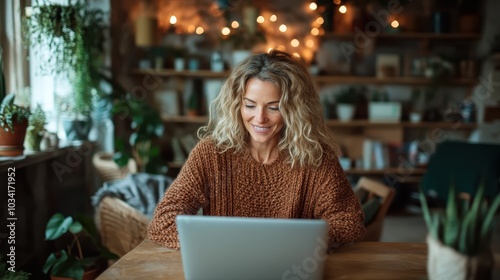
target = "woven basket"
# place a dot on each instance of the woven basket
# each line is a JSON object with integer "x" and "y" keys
{"x": 108, "y": 170}
{"x": 121, "y": 226}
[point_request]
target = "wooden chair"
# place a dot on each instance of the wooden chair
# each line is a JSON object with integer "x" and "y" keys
{"x": 368, "y": 191}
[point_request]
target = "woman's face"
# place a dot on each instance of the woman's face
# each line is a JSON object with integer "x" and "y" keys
{"x": 260, "y": 112}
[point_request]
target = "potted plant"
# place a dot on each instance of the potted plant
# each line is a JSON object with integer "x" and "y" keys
{"x": 147, "y": 129}
{"x": 345, "y": 102}
{"x": 74, "y": 34}
{"x": 8, "y": 272}
{"x": 36, "y": 127}
{"x": 13, "y": 125}
{"x": 76, "y": 261}
{"x": 381, "y": 109}
{"x": 459, "y": 239}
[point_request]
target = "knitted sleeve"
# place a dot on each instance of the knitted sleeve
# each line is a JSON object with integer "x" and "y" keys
{"x": 186, "y": 195}
{"x": 338, "y": 205}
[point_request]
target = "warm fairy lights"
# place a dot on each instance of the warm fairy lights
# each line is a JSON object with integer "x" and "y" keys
{"x": 395, "y": 24}
{"x": 226, "y": 31}
{"x": 199, "y": 30}
{"x": 343, "y": 9}
{"x": 282, "y": 30}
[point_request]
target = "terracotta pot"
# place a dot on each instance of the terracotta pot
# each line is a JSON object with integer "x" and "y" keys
{"x": 11, "y": 144}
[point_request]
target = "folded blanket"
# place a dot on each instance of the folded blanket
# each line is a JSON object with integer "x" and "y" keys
{"x": 142, "y": 191}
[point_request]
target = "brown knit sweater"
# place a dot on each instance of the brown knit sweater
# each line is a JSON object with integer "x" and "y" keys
{"x": 232, "y": 184}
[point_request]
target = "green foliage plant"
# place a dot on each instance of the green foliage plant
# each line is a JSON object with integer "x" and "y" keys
{"x": 7, "y": 274}
{"x": 347, "y": 96}
{"x": 147, "y": 129}
{"x": 465, "y": 226}
{"x": 71, "y": 262}
{"x": 11, "y": 113}
{"x": 74, "y": 34}
{"x": 37, "y": 120}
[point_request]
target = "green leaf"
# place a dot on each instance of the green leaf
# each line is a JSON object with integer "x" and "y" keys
{"x": 57, "y": 226}
{"x": 75, "y": 227}
{"x": 425, "y": 209}
{"x": 452, "y": 224}
{"x": 121, "y": 158}
{"x": 487, "y": 226}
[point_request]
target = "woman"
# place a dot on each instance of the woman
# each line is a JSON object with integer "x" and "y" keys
{"x": 265, "y": 152}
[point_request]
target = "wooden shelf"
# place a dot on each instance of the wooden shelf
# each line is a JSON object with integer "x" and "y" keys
{"x": 411, "y": 35}
{"x": 366, "y": 123}
{"x": 406, "y": 81}
{"x": 185, "y": 119}
{"x": 185, "y": 73}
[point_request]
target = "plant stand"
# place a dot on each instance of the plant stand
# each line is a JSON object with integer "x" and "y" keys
{"x": 446, "y": 263}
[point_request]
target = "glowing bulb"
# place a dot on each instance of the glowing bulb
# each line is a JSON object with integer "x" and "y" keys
{"x": 269, "y": 50}
{"x": 313, "y": 6}
{"x": 296, "y": 55}
{"x": 282, "y": 28}
{"x": 260, "y": 19}
{"x": 199, "y": 30}
{"x": 235, "y": 24}
{"x": 395, "y": 24}
{"x": 295, "y": 43}
{"x": 310, "y": 43}
{"x": 173, "y": 20}
{"x": 226, "y": 31}
{"x": 336, "y": 2}
{"x": 320, "y": 20}
{"x": 315, "y": 31}
{"x": 343, "y": 9}
{"x": 191, "y": 28}
{"x": 273, "y": 18}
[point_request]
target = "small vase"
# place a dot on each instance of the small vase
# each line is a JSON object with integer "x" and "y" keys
{"x": 444, "y": 262}
{"x": 32, "y": 141}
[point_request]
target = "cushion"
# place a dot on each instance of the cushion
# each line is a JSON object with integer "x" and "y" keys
{"x": 370, "y": 208}
{"x": 466, "y": 165}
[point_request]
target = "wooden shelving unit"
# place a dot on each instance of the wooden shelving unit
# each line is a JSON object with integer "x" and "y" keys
{"x": 411, "y": 35}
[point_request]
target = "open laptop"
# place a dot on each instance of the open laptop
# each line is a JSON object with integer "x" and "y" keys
{"x": 252, "y": 248}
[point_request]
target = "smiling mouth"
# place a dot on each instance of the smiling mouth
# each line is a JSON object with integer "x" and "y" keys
{"x": 260, "y": 128}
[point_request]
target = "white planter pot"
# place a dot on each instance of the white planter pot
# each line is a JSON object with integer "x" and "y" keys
{"x": 179, "y": 64}
{"x": 444, "y": 262}
{"x": 384, "y": 111}
{"x": 345, "y": 112}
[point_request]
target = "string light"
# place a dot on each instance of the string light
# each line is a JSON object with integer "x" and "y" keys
{"x": 295, "y": 43}
{"x": 226, "y": 31}
{"x": 337, "y": 2}
{"x": 395, "y": 24}
{"x": 199, "y": 30}
{"x": 296, "y": 55}
{"x": 273, "y": 18}
{"x": 343, "y": 9}
{"x": 282, "y": 28}
{"x": 173, "y": 20}
{"x": 320, "y": 20}
{"x": 315, "y": 31}
{"x": 260, "y": 19}
{"x": 191, "y": 28}
{"x": 310, "y": 43}
{"x": 235, "y": 24}
{"x": 313, "y": 6}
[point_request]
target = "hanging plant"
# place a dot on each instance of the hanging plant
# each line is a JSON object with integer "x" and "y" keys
{"x": 74, "y": 34}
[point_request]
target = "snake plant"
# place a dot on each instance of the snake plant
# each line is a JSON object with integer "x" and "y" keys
{"x": 464, "y": 225}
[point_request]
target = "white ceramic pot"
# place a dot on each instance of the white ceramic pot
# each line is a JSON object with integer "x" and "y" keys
{"x": 345, "y": 112}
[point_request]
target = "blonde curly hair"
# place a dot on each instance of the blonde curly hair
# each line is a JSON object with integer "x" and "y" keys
{"x": 304, "y": 138}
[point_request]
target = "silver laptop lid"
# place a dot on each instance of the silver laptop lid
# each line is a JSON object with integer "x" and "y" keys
{"x": 252, "y": 248}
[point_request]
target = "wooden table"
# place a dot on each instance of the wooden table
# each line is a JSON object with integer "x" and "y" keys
{"x": 365, "y": 260}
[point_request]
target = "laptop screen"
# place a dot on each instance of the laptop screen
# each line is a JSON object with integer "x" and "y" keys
{"x": 252, "y": 248}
